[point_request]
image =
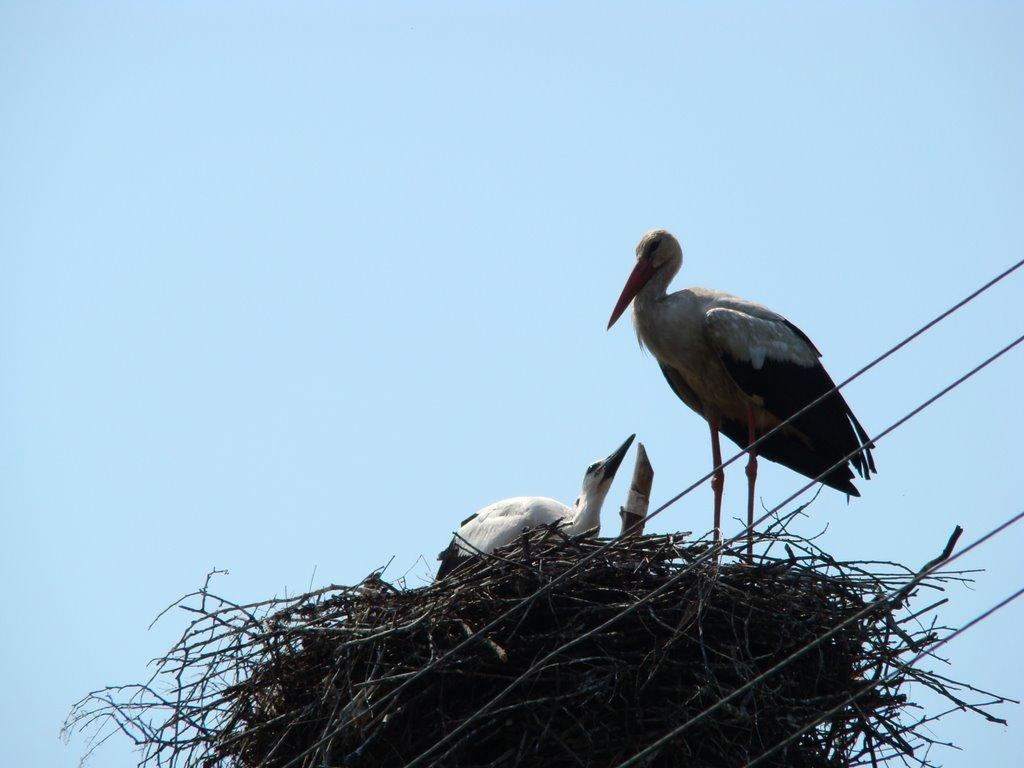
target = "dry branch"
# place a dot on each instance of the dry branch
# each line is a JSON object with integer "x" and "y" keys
{"x": 306, "y": 681}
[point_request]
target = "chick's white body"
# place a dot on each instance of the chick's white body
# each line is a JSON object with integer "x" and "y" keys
{"x": 500, "y": 523}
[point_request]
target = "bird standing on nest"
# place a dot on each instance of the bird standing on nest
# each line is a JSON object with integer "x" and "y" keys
{"x": 500, "y": 523}
{"x": 745, "y": 369}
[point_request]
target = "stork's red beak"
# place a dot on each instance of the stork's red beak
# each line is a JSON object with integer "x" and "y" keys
{"x": 642, "y": 272}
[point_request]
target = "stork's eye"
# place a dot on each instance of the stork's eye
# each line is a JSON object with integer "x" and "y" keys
{"x": 593, "y": 466}
{"x": 653, "y": 247}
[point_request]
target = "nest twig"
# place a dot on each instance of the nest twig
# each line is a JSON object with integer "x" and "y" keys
{"x": 310, "y": 680}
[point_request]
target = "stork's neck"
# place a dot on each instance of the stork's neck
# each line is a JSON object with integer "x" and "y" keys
{"x": 588, "y": 510}
{"x": 646, "y": 307}
{"x": 656, "y": 287}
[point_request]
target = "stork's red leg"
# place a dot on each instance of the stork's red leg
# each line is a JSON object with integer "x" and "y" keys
{"x": 718, "y": 478}
{"x": 751, "y": 478}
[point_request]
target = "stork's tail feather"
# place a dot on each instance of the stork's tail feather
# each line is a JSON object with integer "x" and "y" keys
{"x": 814, "y": 460}
{"x": 863, "y": 461}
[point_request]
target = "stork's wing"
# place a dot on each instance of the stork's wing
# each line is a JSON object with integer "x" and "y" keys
{"x": 450, "y": 557}
{"x": 681, "y": 388}
{"x": 775, "y": 363}
{"x": 754, "y": 340}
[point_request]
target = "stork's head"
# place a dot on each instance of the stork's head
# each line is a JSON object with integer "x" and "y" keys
{"x": 599, "y": 475}
{"x": 657, "y": 252}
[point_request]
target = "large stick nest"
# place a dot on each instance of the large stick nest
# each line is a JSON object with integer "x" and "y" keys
{"x": 346, "y": 676}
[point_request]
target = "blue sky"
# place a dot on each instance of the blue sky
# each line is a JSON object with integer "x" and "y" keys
{"x": 292, "y": 289}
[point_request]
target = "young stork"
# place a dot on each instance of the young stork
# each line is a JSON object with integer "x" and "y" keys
{"x": 500, "y": 523}
{"x": 744, "y": 369}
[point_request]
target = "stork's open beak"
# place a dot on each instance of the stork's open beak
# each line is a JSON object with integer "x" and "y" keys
{"x": 637, "y": 279}
{"x": 611, "y": 464}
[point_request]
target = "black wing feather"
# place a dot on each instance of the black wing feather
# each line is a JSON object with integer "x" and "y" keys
{"x": 830, "y": 429}
{"x": 450, "y": 558}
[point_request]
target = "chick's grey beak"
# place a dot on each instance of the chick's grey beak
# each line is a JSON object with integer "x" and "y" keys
{"x": 611, "y": 464}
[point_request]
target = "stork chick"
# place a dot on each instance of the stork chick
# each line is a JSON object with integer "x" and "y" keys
{"x": 500, "y": 523}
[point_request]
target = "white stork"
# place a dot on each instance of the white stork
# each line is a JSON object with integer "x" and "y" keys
{"x": 500, "y": 523}
{"x": 744, "y": 369}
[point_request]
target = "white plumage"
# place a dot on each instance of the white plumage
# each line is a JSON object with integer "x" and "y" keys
{"x": 502, "y": 522}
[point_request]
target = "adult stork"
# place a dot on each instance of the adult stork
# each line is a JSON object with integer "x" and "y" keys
{"x": 500, "y": 523}
{"x": 745, "y": 369}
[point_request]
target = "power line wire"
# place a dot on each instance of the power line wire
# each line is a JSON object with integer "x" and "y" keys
{"x": 856, "y": 375}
